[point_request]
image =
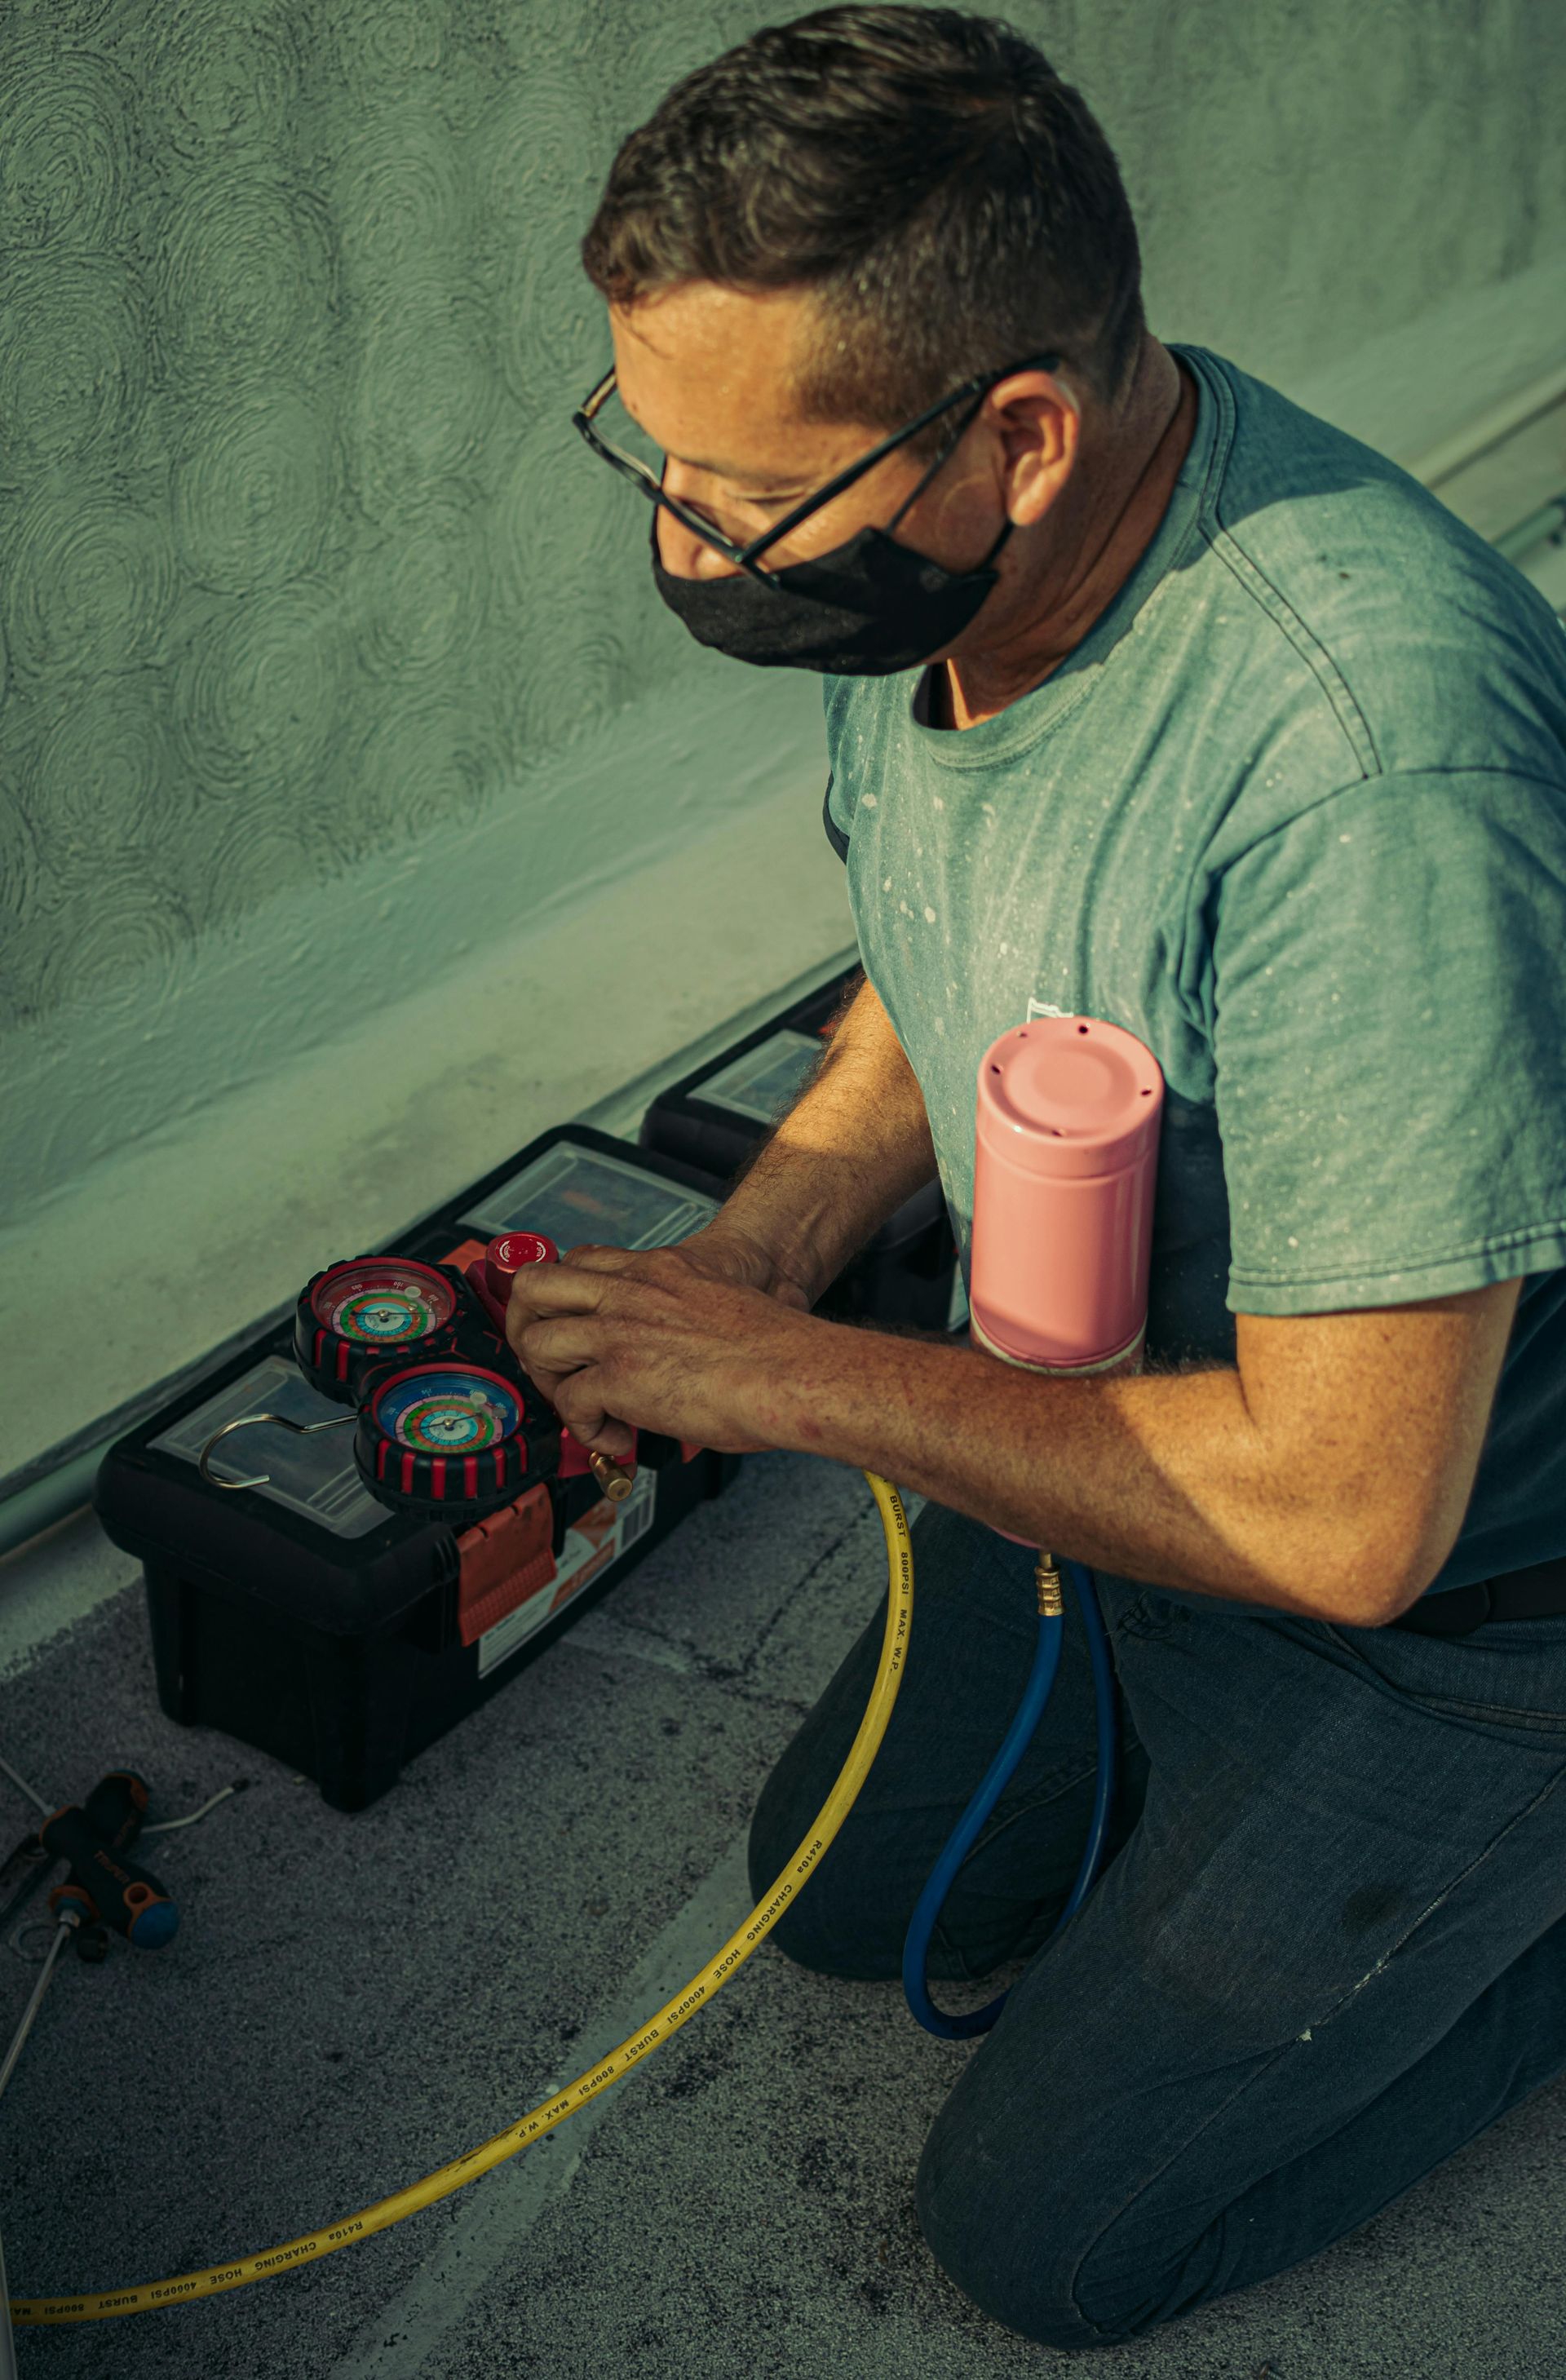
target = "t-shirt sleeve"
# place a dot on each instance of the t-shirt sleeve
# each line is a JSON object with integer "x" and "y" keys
{"x": 836, "y": 836}
{"x": 1388, "y": 1028}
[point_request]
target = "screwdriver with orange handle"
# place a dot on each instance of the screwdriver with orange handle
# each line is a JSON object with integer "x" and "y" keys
{"x": 105, "y": 1885}
{"x": 114, "y": 1810}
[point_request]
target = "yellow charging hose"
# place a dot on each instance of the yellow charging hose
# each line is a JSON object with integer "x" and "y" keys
{"x": 669, "y": 2019}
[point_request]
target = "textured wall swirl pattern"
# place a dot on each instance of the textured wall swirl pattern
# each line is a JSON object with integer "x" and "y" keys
{"x": 252, "y": 488}
{"x": 75, "y": 357}
{"x": 256, "y": 691}
{"x": 246, "y": 272}
{"x": 64, "y": 134}
{"x": 90, "y": 582}
{"x": 100, "y": 766}
{"x": 300, "y": 560}
{"x": 224, "y": 81}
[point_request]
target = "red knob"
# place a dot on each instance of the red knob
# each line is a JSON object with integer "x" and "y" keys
{"x": 506, "y": 1257}
{"x": 515, "y": 1249}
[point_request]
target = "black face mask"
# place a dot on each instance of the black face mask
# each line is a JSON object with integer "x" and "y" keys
{"x": 866, "y": 609}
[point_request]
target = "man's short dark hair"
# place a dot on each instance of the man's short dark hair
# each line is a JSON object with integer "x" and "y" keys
{"x": 951, "y": 200}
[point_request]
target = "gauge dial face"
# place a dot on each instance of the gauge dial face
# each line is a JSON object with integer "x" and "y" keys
{"x": 455, "y": 1411}
{"x": 383, "y": 1304}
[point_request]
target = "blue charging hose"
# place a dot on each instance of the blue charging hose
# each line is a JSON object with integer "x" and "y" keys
{"x": 1045, "y": 1663}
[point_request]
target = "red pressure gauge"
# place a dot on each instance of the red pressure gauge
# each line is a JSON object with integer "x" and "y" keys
{"x": 362, "y": 1312}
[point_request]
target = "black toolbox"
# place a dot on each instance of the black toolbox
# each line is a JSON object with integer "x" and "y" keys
{"x": 306, "y": 1618}
{"x": 712, "y": 1117}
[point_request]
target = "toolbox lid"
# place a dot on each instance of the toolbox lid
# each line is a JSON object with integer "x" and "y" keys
{"x": 572, "y": 1194}
{"x": 762, "y": 1083}
{"x": 313, "y": 1476}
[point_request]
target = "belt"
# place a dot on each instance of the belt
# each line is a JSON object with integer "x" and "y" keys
{"x": 1537, "y": 1593}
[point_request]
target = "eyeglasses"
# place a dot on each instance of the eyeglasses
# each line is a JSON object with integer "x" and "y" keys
{"x": 745, "y": 556}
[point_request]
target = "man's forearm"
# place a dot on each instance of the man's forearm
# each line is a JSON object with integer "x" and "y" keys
{"x": 855, "y": 1145}
{"x": 1164, "y": 1477}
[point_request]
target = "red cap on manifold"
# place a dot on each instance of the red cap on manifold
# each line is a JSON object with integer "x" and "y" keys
{"x": 514, "y": 1249}
{"x": 508, "y": 1256}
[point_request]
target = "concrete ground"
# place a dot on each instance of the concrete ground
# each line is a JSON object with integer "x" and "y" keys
{"x": 354, "y": 1999}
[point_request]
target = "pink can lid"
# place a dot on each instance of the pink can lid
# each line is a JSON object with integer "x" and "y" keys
{"x": 1069, "y": 1095}
{"x": 514, "y": 1249}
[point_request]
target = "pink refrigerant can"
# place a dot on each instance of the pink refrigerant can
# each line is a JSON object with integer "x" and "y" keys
{"x": 1065, "y": 1158}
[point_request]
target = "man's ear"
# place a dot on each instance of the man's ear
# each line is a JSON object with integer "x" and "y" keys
{"x": 1041, "y": 429}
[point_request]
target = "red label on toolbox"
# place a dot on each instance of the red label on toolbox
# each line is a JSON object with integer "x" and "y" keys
{"x": 599, "y": 1532}
{"x": 464, "y": 1253}
{"x": 505, "y": 1560}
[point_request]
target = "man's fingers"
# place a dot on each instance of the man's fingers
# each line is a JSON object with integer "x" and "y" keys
{"x": 541, "y": 1290}
{"x": 591, "y": 1426}
{"x": 583, "y": 1412}
{"x": 562, "y": 1343}
{"x": 552, "y": 1328}
{"x": 565, "y": 1288}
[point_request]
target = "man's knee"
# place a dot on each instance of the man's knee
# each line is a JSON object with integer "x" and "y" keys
{"x": 824, "y": 1924}
{"x": 1018, "y": 2255}
{"x": 849, "y": 1915}
{"x": 1012, "y": 2271}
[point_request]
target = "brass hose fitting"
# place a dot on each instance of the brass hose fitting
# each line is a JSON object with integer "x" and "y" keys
{"x": 614, "y": 1480}
{"x": 1047, "y": 1579}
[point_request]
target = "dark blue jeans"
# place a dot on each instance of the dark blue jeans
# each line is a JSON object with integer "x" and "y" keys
{"x": 1328, "y": 1948}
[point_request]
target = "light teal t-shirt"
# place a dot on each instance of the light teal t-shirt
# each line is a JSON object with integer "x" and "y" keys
{"x": 1293, "y": 812}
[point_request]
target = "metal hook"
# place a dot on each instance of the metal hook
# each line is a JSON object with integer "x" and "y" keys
{"x": 252, "y": 1421}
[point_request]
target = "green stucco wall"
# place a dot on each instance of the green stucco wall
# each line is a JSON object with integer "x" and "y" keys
{"x": 306, "y": 583}
{"x": 299, "y": 556}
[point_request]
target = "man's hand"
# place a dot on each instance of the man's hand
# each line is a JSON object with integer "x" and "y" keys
{"x": 682, "y": 1339}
